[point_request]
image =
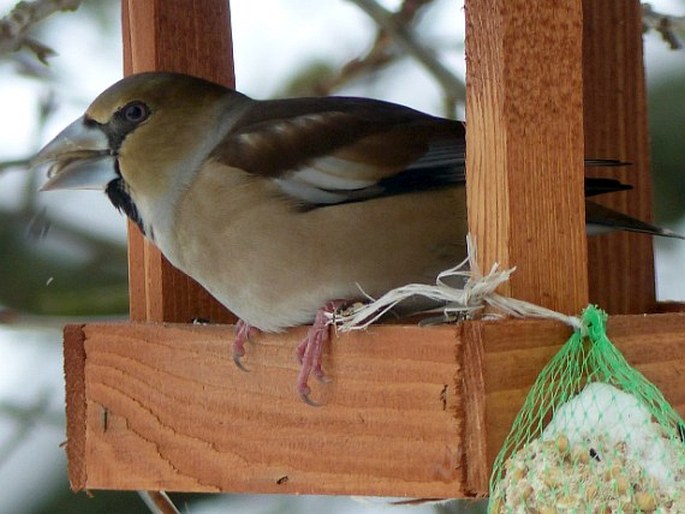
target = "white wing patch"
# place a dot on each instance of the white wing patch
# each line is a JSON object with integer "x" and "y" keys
{"x": 308, "y": 193}
{"x": 336, "y": 173}
{"x": 330, "y": 180}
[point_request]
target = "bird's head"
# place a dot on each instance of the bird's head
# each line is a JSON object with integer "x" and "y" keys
{"x": 140, "y": 140}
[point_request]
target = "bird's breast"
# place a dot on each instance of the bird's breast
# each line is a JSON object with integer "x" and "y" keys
{"x": 274, "y": 265}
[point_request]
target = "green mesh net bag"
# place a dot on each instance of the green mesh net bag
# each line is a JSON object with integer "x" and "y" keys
{"x": 593, "y": 436}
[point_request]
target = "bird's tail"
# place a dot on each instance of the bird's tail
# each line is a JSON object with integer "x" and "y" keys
{"x": 601, "y": 219}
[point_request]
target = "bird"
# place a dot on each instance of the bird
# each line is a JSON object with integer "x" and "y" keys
{"x": 283, "y": 209}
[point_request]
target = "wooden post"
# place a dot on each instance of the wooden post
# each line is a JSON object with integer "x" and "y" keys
{"x": 525, "y": 146}
{"x": 621, "y": 265}
{"x": 188, "y": 37}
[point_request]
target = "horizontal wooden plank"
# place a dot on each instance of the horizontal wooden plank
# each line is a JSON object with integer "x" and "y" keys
{"x": 407, "y": 411}
{"x": 166, "y": 408}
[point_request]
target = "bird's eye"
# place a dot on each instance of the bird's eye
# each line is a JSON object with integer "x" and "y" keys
{"x": 136, "y": 112}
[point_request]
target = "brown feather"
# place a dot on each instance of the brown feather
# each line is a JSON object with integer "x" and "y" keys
{"x": 275, "y": 137}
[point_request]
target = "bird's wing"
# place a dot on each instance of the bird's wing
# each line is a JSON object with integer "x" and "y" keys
{"x": 334, "y": 150}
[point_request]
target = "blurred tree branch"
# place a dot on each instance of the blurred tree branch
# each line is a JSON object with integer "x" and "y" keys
{"x": 665, "y": 24}
{"x": 27, "y": 417}
{"x": 395, "y": 39}
{"x": 14, "y": 27}
{"x": 158, "y": 502}
{"x": 14, "y": 163}
{"x": 397, "y": 26}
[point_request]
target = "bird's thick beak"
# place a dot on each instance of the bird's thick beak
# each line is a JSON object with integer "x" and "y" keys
{"x": 78, "y": 158}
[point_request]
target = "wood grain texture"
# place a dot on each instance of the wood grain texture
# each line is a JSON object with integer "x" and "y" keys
{"x": 193, "y": 38}
{"x": 76, "y": 403}
{"x": 475, "y": 418}
{"x": 525, "y": 146}
{"x": 167, "y": 409}
{"x": 621, "y": 265}
{"x": 406, "y": 413}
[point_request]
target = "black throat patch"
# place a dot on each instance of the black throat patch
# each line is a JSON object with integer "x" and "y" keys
{"x": 117, "y": 192}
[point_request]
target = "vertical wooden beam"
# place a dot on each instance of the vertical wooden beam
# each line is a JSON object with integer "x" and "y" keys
{"x": 621, "y": 265}
{"x": 193, "y": 38}
{"x": 525, "y": 146}
{"x": 476, "y": 463}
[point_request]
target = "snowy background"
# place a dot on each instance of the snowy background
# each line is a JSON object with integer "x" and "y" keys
{"x": 32, "y": 465}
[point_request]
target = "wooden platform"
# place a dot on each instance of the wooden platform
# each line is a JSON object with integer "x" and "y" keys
{"x": 408, "y": 411}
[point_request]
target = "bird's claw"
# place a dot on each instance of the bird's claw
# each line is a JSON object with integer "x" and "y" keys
{"x": 304, "y": 395}
{"x": 236, "y": 360}
{"x": 310, "y": 352}
{"x": 243, "y": 332}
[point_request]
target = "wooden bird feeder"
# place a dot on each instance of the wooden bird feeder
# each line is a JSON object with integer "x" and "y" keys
{"x": 158, "y": 404}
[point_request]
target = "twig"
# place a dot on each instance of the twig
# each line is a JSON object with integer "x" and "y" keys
{"x": 16, "y": 163}
{"x": 27, "y": 417}
{"x": 15, "y": 26}
{"x": 37, "y": 412}
{"x": 664, "y": 24}
{"x": 382, "y": 53}
{"x": 377, "y": 57}
{"x": 158, "y": 502}
{"x": 451, "y": 85}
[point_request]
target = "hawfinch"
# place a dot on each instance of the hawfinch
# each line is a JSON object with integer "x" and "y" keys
{"x": 281, "y": 209}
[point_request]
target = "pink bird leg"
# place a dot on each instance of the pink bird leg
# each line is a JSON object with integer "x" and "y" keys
{"x": 310, "y": 350}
